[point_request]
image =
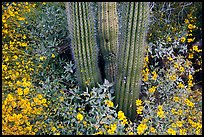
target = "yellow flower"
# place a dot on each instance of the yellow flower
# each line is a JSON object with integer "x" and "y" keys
{"x": 24, "y": 37}
{"x": 169, "y": 39}
{"x": 189, "y": 40}
{"x": 190, "y": 26}
{"x": 180, "y": 85}
{"x": 183, "y": 39}
{"x": 121, "y": 115}
{"x": 141, "y": 128}
{"x": 179, "y": 123}
{"x": 109, "y": 103}
{"x": 181, "y": 69}
{"x": 80, "y": 117}
{"x": 176, "y": 65}
{"x": 21, "y": 18}
{"x": 176, "y": 99}
{"x": 189, "y": 103}
{"x": 171, "y": 131}
{"x": 26, "y": 91}
{"x": 23, "y": 44}
{"x": 138, "y": 102}
{"x": 154, "y": 77}
{"x": 190, "y": 55}
{"x": 186, "y": 21}
{"x": 152, "y": 89}
{"x": 39, "y": 96}
{"x": 160, "y": 107}
{"x": 170, "y": 58}
{"x": 53, "y": 55}
{"x": 160, "y": 113}
{"x": 53, "y": 129}
{"x": 44, "y": 100}
{"x": 130, "y": 133}
{"x": 146, "y": 59}
{"x": 195, "y": 48}
{"x": 173, "y": 77}
{"x": 190, "y": 77}
{"x": 173, "y": 111}
{"x": 20, "y": 91}
{"x": 182, "y": 132}
{"x": 140, "y": 109}
{"x": 153, "y": 130}
{"x": 98, "y": 133}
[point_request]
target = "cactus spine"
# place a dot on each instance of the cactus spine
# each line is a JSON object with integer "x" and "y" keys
{"x": 82, "y": 31}
{"x": 108, "y": 36}
{"x": 130, "y": 55}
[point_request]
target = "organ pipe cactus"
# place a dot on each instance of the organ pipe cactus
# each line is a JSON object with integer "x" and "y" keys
{"x": 108, "y": 36}
{"x": 121, "y": 39}
{"x": 133, "y": 27}
{"x": 83, "y": 37}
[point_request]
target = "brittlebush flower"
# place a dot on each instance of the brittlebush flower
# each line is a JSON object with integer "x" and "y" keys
{"x": 121, "y": 115}
{"x": 141, "y": 128}
{"x": 152, "y": 89}
{"x": 140, "y": 109}
{"x": 138, "y": 102}
{"x": 183, "y": 39}
{"x": 80, "y": 117}
{"x": 109, "y": 103}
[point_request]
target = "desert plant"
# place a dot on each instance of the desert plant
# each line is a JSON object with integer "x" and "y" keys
{"x": 129, "y": 51}
{"x": 134, "y": 20}
{"x": 83, "y": 36}
{"x": 108, "y": 36}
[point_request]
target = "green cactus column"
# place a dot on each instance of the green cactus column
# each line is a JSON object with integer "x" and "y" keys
{"x": 83, "y": 39}
{"x": 132, "y": 32}
{"x": 108, "y": 36}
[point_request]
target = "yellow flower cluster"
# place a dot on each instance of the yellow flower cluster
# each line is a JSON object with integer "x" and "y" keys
{"x": 122, "y": 117}
{"x": 139, "y": 106}
{"x": 18, "y": 108}
{"x": 160, "y": 112}
{"x": 141, "y": 128}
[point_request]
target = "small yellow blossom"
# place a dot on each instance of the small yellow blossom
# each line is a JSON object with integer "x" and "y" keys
{"x": 169, "y": 39}
{"x": 186, "y": 21}
{"x": 183, "y": 39}
{"x": 21, "y": 18}
{"x": 109, "y": 103}
{"x": 195, "y": 48}
{"x": 53, "y": 129}
{"x": 80, "y": 117}
{"x": 26, "y": 91}
{"x": 138, "y": 102}
{"x": 53, "y": 55}
{"x": 121, "y": 115}
{"x": 141, "y": 128}
{"x": 189, "y": 40}
{"x": 180, "y": 85}
{"x": 176, "y": 99}
{"x": 20, "y": 91}
{"x": 152, "y": 89}
{"x": 171, "y": 131}
{"x": 181, "y": 69}
{"x": 44, "y": 100}
{"x": 190, "y": 55}
{"x": 154, "y": 77}
{"x": 140, "y": 109}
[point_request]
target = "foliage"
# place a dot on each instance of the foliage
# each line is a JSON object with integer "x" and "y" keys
{"x": 39, "y": 89}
